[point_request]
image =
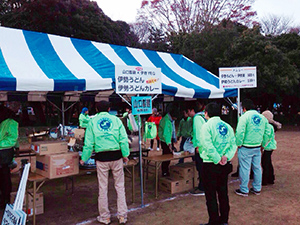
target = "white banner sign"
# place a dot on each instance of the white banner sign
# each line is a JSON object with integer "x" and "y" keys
{"x": 138, "y": 80}
{"x": 238, "y": 77}
{"x": 13, "y": 217}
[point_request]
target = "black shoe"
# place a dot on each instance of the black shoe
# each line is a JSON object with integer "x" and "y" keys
{"x": 254, "y": 192}
{"x": 197, "y": 192}
{"x": 236, "y": 174}
{"x": 239, "y": 192}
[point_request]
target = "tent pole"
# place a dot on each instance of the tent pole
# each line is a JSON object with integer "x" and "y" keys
{"x": 141, "y": 166}
{"x": 63, "y": 118}
{"x": 238, "y": 104}
{"x": 141, "y": 162}
{"x": 124, "y": 99}
{"x": 140, "y": 155}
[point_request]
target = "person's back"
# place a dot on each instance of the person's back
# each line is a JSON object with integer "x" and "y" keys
{"x": 251, "y": 129}
{"x": 106, "y": 135}
{"x": 217, "y": 149}
{"x": 107, "y": 132}
{"x": 222, "y": 138}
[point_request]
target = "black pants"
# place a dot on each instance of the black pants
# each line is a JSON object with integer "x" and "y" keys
{"x": 6, "y": 157}
{"x": 152, "y": 142}
{"x": 165, "y": 165}
{"x": 199, "y": 162}
{"x": 268, "y": 170}
{"x": 215, "y": 178}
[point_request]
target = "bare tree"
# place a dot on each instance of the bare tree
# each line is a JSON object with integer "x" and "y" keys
{"x": 194, "y": 15}
{"x": 275, "y": 25}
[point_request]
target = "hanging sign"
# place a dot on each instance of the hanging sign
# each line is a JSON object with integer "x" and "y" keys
{"x": 137, "y": 80}
{"x": 238, "y": 77}
{"x": 141, "y": 105}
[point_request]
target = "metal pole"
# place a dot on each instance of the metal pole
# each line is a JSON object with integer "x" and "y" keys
{"x": 141, "y": 162}
{"x": 63, "y": 118}
{"x": 238, "y": 104}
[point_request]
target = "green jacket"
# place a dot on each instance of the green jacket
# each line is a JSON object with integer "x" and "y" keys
{"x": 8, "y": 134}
{"x": 165, "y": 129}
{"x": 217, "y": 140}
{"x": 252, "y": 129}
{"x": 84, "y": 120}
{"x": 105, "y": 132}
{"x": 198, "y": 122}
{"x": 185, "y": 128}
{"x": 271, "y": 143}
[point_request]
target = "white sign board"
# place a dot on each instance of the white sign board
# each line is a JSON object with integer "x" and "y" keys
{"x": 238, "y": 77}
{"x": 138, "y": 80}
{"x": 13, "y": 217}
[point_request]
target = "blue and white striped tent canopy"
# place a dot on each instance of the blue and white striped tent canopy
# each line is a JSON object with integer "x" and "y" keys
{"x": 32, "y": 61}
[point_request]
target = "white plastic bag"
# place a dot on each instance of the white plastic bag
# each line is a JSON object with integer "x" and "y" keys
{"x": 188, "y": 146}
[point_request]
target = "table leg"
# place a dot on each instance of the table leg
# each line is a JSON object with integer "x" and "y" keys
{"x": 144, "y": 174}
{"x": 156, "y": 179}
{"x": 33, "y": 205}
{"x": 133, "y": 183}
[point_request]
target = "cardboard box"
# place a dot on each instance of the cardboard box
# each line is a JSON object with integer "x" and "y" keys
{"x": 39, "y": 202}
{"x": 187, "y": 185}
{"x": 49, "y": 147}
{"x": 170, "y": 185}
{"x": 31, "y": 160}
{"x": 79, "y": 133}
{"x": 182, "y": 171}
{"x": 58, "y": 165}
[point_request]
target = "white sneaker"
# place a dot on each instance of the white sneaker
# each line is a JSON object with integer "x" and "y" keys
{"x": 103, "y": 221}
{"x": 150, "y": 149}
{"x": 157, "y": 149}
{"x": 122, "y": 220}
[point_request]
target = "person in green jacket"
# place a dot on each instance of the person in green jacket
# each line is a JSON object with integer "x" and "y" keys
{"x": 195, "y": 111}
{"x": 106, "y": 135}
{"x": 185, "y": 130}
{"x": 8, "y": 140}
{"x": 252, "y": 129}
{"x": 268, "y": 176}
{"x": 217, "y": 149}
{"x": 84, "y": 118}
{"x": 165, "y": 131}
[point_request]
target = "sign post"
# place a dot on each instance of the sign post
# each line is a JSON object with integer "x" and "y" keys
{"x": 139, "y": 80}
{"x": 238, "y": 77}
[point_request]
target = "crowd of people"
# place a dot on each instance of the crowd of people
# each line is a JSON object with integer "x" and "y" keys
{"x": 213, "y": 141}
{"x": 215, "y": 144}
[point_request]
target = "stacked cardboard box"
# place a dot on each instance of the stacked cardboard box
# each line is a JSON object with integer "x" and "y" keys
{"x": 39, "y": 202}
{"x": 54, "y": 161}
{"x": 49, "y": 147}
{"x": 31, "y": 160}
{"x": 79, "y": 133}
{"x": 180, "y": 180}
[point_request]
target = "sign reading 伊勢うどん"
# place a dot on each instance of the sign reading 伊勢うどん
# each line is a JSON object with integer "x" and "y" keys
{"x": 238, "y": 77}
{"x": 138, "y": 80}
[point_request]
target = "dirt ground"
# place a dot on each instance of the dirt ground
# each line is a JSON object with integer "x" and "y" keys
{"x": 277, "y": 204}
